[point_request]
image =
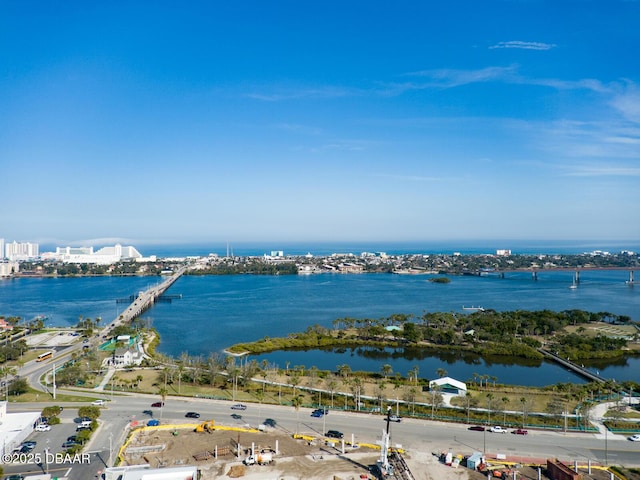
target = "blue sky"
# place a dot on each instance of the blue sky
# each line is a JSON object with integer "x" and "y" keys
{"x": 161, "y": 121}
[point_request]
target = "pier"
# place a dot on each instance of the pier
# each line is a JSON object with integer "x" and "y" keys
{"x": 583, "y": 372}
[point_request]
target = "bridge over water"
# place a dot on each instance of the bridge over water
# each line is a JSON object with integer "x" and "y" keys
{"x": 146, "y": 299}
{"x": 578, "y": 369}
{"x": 576, "y": 271}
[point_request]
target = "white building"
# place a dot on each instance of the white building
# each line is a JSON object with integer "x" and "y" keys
{"x": 103, "y": 256}
{"x": 145, "y": 472}
{"x": 21, "y": 250}
{"x": 15, "y": 428}
{"x": 2, "y": 248}
{"x": 449, "y": 385}
{"x": 7, "y": 269}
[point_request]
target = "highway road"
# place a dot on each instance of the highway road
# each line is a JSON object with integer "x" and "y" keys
{"x": 366, "y": 428}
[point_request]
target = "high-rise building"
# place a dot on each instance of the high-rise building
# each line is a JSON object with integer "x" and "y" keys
{"x": 21, "y": 251}
{"x": 2, "y": 252}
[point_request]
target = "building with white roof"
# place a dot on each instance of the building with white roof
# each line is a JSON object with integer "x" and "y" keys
{"x": 15, "y": 428}
{"x": 145, "y": 472}
{"x": 103, "y": 256}
{"x": 449, "y": 385}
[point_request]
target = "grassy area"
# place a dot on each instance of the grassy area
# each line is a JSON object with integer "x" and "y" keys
{"x": 33, "y": 396}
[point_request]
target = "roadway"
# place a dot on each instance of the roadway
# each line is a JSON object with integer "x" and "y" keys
{"x": 412, "y": 434}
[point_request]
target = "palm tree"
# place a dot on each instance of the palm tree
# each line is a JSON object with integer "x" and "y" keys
{"x": 162, "y": 391}
{"x": 490, "y": 397}
{"x": 386, "y": 370}
{"x": 332, "y": 384}
{"x": 523, "y": 401}
{"x": 415, "y": 370}
{"x": 381, "y": 388}
{"x": 505, "y": 402}
{"x": 297, "y": 403}
{"x": 436, "y": 398}
{"x": 344, "y": 370}
{"x": 181, "y": 369}
{"x": 441, "y": 372}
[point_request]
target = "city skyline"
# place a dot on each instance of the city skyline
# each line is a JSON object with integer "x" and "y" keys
{"x": 147, "y": 123}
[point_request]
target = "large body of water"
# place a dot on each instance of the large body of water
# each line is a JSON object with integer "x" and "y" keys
{"x": 218, "y": 311}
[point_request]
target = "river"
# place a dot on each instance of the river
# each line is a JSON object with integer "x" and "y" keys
{"x": 218, "y": 311}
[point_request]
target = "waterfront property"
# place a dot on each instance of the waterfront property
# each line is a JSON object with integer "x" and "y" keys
{"x": 449, "y": 385}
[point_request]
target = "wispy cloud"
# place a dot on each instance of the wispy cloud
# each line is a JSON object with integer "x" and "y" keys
{"x": 627, "y": 102}
{"x": 447, "y": 77}
{"x": 602, "y": 171}
{"x": 408, "y": 178}
{"x": 302, "y": 93}
{"x": 524, "y": 45}
{"x": 297, "y": 128}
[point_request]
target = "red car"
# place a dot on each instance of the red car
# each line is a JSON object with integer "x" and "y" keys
{"x": 477, "y": 428}
{"x": 520, "y": 431}
{"x": 157, "y": 404}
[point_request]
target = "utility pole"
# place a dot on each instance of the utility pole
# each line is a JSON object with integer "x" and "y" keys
{"x": 54, "y": 381}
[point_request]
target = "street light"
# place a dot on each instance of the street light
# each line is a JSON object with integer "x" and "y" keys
{"x": 46, "y": 457}
{"x": 110, "y": 449}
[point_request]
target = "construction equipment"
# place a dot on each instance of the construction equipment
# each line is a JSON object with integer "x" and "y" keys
{"x": 263, "y": 458}
{"x": 208, "y": 426}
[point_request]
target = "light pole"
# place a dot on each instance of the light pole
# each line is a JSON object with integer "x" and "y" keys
{"x": 46, "y": 457}
{"x": 110, "y": 449}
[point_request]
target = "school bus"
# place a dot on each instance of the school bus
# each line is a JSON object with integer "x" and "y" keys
{"x": 44, "y": 356}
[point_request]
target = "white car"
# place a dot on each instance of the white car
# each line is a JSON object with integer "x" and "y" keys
{"x": 497, "y": 429}
{"x": 635, "y": 438}
{"x": 43, "y": 427}
{"x": 98, "y": 403}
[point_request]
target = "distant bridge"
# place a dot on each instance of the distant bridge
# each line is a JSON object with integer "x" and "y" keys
{"x": 576, "y": 271}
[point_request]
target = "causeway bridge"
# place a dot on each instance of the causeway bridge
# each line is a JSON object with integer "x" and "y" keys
{"x": 576, "y": 271}
{"x": 146, "y": 299}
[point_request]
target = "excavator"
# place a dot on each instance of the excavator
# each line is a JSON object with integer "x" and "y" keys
{"x": 208, "y": 426}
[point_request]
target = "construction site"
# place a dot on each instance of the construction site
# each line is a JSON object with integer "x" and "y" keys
{"x": 268, "y": 452}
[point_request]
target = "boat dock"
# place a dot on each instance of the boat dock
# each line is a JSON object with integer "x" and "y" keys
{"x": 583, "y": 372}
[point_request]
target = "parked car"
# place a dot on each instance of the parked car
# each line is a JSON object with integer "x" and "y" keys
{"x": 157, "y": 404}
{"x": 72, "y": 438}
{"x": 192, "y": 415}
{"x": 17, "y": 476}
{"x": 476, "y": 428}
{"x": 520, "y": 431}
{"x": 30, "y": 443}
{"x": 98, "y": 403}
{"x": 635, "y": 438}
{"x": 70, "y": 443}
{"x": 334, "y": 434}
{"x": 497, "y": 429}
{"x": 238, "y": 406}
{"x": 43, "y": 427}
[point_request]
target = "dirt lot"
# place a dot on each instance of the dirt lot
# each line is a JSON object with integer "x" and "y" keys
{"x": 296, "y": 459}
